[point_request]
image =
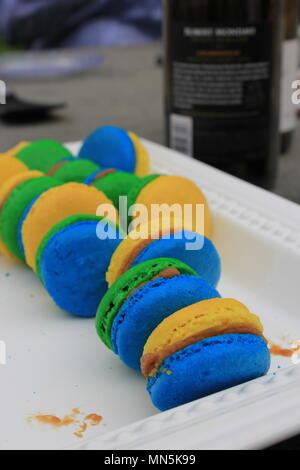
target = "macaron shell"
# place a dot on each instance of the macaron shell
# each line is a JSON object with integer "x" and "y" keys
{"x": 142, "y": 156}
{"x": 176, "y": 190}
{"x": 63, "y": 224}
{"x": 14, "y": 207}
{"x": 202, "y": 257}
{"x": 16, "y": 149}
{"x": 202, "y": 320}
{"x": 208, "y": 367}
{"x": 14, "y": 181}
{"x": 110, "y": 147}
{"x": 116, "y": 184}
{"x": 55, "y": 205}
{"x": 43, "y": 154}
{"x": 76, "y": 282}
{"x": 10, "y": 166}
{"x": 136, "y": 241}
{"x": 75, "y": 171}
{"x": 125, "y": 285}
{"x": 146, "y": 308}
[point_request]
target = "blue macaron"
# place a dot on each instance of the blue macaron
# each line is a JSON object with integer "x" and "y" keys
{"x": 191, "y": 248}
{"x": 21, "y": 222}
{"x": 208, "y": 367}
{"x": 72, "y": 262}
{"x": 148, "y": 306}
{"x": 110, "y": 147}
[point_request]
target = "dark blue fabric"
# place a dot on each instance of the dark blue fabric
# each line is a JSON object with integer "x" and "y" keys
{"x": 62, "y": 23}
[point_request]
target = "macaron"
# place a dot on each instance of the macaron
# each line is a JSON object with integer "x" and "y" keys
{"x": 72, "y": 261}
{"x": 43, "y": 154}
{"x": 33, "y": 185}
{"x": 141, "y": 299}
{"x": 5, "y": 191}
{"x": 55, "y": 205}
{"x": 112, "y": 147}
{"x": 159, "y": 195}
{"x": 10, "y": 166}
{"x": 189, "y": 247}
{"x": 203, "y": 349}
{"x": 14, "y": 181}
{"x": 73, "y": 170}
{"x": 113, "y": 183}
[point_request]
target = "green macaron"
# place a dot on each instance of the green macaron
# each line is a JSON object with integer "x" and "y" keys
{"x": 124, "y": 286}
{"x": 116, "y": 184}
{"x": 135, "y": 191}
{"x": 75, "y": 171}
{"x": 43, "y": 154}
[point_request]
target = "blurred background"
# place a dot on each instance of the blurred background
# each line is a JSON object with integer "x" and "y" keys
{"x": 79, "y": 53}
{"x": 92, "y": 62}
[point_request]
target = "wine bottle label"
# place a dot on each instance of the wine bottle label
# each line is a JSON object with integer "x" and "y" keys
{"x": 289, "y": 74}
{"x": 221, "y": 90}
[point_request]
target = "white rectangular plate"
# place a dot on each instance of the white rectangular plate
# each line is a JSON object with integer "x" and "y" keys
{"x": 56, "y": 363}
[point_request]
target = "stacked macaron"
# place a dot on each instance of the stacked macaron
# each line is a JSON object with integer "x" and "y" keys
{"x": 163, "y": 315}
{"x": 153, "y": 291}
{"x": 48, "y": 221}
{"x": 203, "y": 349}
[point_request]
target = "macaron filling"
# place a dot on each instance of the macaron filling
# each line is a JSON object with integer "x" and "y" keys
{"x": 58, "y": 166}
{"x": 150, "y": 363}
{"x": 99, "y": 175}
{"x": 147, "y": 307}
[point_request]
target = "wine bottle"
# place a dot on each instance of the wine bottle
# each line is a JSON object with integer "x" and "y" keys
{"x": 290, "y": 60}
{"x": 222, "y": 81}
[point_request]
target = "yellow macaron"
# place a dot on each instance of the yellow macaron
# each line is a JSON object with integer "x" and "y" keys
{"x": 10, "y": 166}
{"x": 195, "y": 323}
{"x": 55, "y": 205}
{"x": 180, "y": 196}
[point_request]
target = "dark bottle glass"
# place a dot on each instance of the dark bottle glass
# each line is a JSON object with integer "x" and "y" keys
{"x": 222, "y": 80}
{"x": 290, "y": 59}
